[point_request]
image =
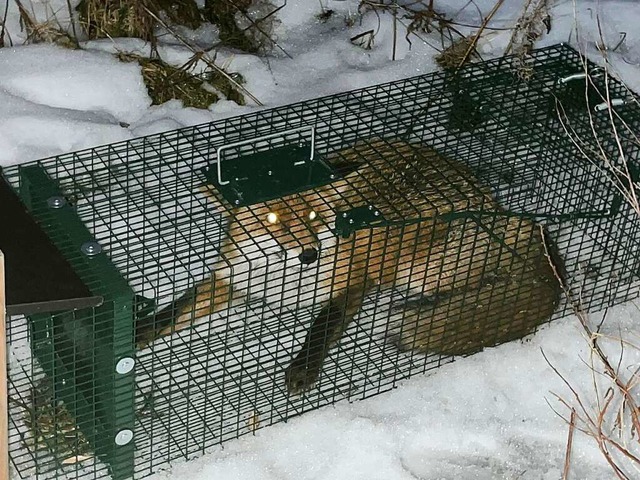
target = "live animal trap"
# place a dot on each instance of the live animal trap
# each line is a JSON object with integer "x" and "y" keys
{"x": 204, "y": 275}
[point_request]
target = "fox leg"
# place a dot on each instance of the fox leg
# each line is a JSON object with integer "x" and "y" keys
{"x": 326, "y": 330}
{"x": 206, "y": 298}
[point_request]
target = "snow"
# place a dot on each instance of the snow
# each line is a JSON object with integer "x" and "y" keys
{"x": 484, "y": 417}
{"x": 48, "y": 81}
{"x": 47, "y": 108}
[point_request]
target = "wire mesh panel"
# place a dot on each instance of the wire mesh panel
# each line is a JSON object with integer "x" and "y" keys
{"x": 262, "y": 266}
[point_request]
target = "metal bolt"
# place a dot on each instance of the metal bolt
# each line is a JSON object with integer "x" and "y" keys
{"x": 56, "y": 202}
{"x": 370, "y": 207}
{"x": 123, "y": 437}
{"x": 269, "y": 172}
{"x": 237, "y": 202}
{"x": 91, "y": 248}
{"x": 125, "y": 365}
{"x": 351, "y": 220}
{"x": 64, "y": 381}
{"x": 344, "y": 215}
{"x": 376, "y": 213}
{"x": 332, "y": 176}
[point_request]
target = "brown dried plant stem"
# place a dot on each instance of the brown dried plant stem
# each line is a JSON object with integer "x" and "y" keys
{"x": 594, "y": 426}
{"x": 476, "y": 37}
{"x": 567, "y": 458}
{"x": 72, "y": 21}
{"x": 255, "y": 24}
{"x": 621, "y": 177}
{"x": 3, "y": 23}
{"x": 519, "y": 23}
{"x": 395, "y": 33}
{"x": 203, "y": 56}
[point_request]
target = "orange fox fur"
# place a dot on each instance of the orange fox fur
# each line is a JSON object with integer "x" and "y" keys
{"x": 479, "y": 279}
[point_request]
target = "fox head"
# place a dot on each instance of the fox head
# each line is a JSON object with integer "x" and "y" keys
{"x": 296, "y": 227}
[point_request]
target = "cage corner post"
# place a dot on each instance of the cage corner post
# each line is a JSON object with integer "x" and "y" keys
{"x": 88, "y": 352}
{"x": 4, "y": 399}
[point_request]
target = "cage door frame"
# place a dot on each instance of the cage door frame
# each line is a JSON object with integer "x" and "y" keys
{"x": 4, "y": 400}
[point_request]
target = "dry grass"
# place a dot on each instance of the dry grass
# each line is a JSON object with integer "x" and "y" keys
{"x": 609, "y": 415}
{"x": 244, "y": 24}
{"x": 533, "y": 23}
{"x": 134, "y": 18}
{"x": 140, "y": 19}
{"x": 567, "y": 457}
{"x": 3, "y": 24}
{"x": 247, "y": 25}
{"x": 52, "y": 429}
{"x": 455, "y": 54}
{"x": 420, "y": 19}
{"x": 130, "y": 18}
{"x": 225, "y": 87}
{"x": 165, "y": 82}
{"x": 115, "y": 18}
{"x": 201, "y": 55}
{"x": 49, "y": 31}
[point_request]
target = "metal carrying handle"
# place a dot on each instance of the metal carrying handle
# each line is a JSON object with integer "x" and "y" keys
{"x": 576, "y": 76}
{"x": 266, "y": 137}
{"x": 615, "y": 102}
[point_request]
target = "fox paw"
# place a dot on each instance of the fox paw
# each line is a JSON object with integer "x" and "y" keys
{"x": 145, "y": 338}
{"x": 300, "y": 377}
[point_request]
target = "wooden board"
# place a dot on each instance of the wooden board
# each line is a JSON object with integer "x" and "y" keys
{"x": 39, "y": 278}
{"x": 4, "y": 406}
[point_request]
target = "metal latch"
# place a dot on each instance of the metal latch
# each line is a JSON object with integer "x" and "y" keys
{"x": 358, "y": 218}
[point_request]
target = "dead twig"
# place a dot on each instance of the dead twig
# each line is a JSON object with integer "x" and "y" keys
{"x": 202, "y": 55}
{"x": 395, "y": 34}
{"x": 595, "y": 425}
{"x": 476, "y": 36}
{"x": 567, "y": 458}
{"x": 3, "y": 24}
{"x": 414, "y": 20}
{"x": 72, "y": 21}
{"x": 533, "y": 22}
{"x": 48, "y": 31}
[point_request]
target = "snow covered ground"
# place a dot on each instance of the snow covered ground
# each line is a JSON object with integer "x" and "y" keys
{"x": 486, "y": 417}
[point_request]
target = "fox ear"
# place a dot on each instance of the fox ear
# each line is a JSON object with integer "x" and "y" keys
{"x": 334, "y": 192}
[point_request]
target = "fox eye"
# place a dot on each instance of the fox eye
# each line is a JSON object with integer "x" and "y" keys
{"x": 272, "y": 218}
{"x": 312, "y": 215}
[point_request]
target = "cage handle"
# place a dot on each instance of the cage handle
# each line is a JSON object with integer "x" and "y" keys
{"x": 580, "y": 76}
{"x": 311, "y": 128}
{"x": 615, "y": 102}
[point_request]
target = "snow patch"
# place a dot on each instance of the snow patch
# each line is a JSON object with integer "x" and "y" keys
{"x": 96, "y": 82}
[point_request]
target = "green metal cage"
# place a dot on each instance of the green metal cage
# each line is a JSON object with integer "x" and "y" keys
{"x": 355, "y": 240}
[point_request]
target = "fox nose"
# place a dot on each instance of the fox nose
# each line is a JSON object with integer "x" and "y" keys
{"x": 308, "y": 256}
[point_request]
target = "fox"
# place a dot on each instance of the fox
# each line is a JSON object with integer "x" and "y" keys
{"x": 469, "y": 274}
